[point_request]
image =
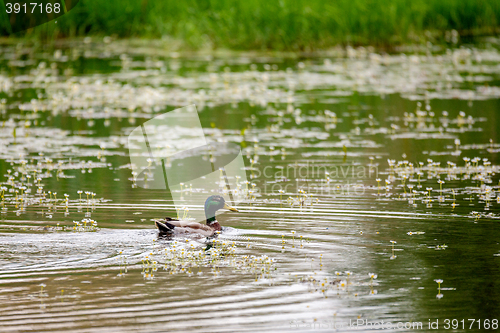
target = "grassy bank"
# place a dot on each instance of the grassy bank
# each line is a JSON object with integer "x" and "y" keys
{"x": 271, "y": 24}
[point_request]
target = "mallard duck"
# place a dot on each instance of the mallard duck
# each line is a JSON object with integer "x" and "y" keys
{"x": 170, "y": 226}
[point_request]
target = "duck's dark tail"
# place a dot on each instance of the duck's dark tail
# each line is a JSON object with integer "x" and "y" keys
{"x": 164, "y": 227}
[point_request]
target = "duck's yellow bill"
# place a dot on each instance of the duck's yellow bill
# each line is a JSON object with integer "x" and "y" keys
{"x": 230, "y": 208}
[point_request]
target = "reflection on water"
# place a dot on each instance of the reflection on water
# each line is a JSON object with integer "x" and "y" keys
{"x": 370, "y": 177}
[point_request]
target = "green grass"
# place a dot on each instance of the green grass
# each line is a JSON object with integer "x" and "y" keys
{"x": 274, "y": 24}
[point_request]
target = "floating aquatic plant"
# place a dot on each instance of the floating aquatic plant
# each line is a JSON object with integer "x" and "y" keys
{"x": 185, "y": 257}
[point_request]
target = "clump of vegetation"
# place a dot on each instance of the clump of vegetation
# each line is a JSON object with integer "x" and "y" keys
{"x": 24, "y": 192}
{"x": 185, "y": 257}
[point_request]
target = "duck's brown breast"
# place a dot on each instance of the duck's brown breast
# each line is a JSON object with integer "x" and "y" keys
{"x": 216, "y": 226}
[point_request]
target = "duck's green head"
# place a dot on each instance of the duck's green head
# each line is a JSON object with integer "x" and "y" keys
{"x": 213, "y": 204}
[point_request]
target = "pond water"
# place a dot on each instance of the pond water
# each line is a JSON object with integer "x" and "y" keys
{"x": 373, "y": 195}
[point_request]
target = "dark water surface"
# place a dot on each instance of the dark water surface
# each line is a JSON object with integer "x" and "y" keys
{"x": 327, "y": 130}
